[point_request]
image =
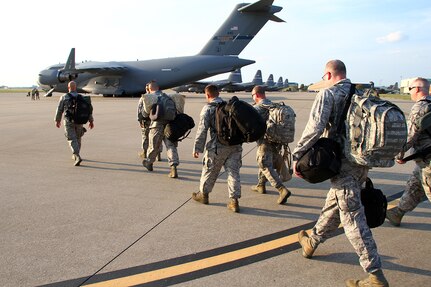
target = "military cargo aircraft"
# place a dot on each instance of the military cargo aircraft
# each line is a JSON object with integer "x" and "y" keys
{"x": 247, "y": 87}
{"x": 199, "y": 87}
{"x": 275, "y": 86}
{"x": 219, "y": 55}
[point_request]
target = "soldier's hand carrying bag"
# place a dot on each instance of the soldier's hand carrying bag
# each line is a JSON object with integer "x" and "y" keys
{"x": 321, "y": 162}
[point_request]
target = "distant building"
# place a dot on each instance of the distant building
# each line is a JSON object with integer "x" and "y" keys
{"x": 405, "y": 84}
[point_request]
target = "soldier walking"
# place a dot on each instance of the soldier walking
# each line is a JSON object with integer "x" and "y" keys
{"x": 156, "y": 137}
{"x": 73, "y": 131}
{"x": 267, "y": 151}
{"x": 343, "y": 201}
{"x": 216, "y": 154}
{"x": 418, "y": 186}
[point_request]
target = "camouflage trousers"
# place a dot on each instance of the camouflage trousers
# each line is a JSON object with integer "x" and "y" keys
{"x": 418, "y": 187}
{"x": 343, "y": 205}
{"x": 73, "y": 134}
{"x": 265, "y": 156}
{"x": 155, "y": 138}
{"x": 145, "y": 130}
{"x": 228, "y": 157}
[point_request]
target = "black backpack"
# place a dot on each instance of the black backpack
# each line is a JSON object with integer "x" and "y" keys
{"x": 179, "y": 128}
{"x": 238, "y": 122}
{"x": 78, "y": 109}
{"x": 375, "y": 204}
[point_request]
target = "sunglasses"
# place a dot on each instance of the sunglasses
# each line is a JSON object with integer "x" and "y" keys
{"x": 411, "y": 88}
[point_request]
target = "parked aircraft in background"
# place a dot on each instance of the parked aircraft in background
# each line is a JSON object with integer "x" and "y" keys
{"x": 270, "y": 81}
{"x": 392, "y": 89}
{"x": 239, "y": 86}
{"x": 199, "y": 87}
{"x": 219, "y": 55}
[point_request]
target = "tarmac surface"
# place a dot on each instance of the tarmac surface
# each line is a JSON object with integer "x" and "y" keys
{"x": 110, "y": 222}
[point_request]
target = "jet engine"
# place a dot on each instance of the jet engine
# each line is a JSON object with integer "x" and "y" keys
{"x": 65, "y": 76}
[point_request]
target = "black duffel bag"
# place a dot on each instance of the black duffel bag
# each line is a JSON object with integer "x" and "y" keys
{"x": 321, "y": 162}
{"x": 179, "y": 128}
{"x": 375, "y": 204}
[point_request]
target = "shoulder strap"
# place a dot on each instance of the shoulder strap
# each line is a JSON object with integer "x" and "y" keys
{"x": 422, "y": 153}
{"x": 346, "y": 107}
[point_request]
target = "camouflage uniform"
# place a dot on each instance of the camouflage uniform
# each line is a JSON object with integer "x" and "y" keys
{"x": 419, "y": 183}
{"x": 156, "y": 137}
{"x": 145, "y": 124}
{"x": 267, "y": 152}
{"x": 343, "y": 203}
{"x": 217, "y": 155}
{"x": 73, "y": 132}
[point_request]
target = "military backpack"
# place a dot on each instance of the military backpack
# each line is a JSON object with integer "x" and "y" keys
{"x": 376, "y": 131}
{"x": 280, "y": 126}
{"x": 78, "y": 109}
{"x": 238, "y": 122}
{"x": 164, "y": 109}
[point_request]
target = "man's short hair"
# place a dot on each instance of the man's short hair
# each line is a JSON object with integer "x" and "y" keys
{"x": 153, "y": 86}
{"x": 258, "y": 90}
{"x": 337, "y": 67}
{"x": 212, "y": 91}
{"x": 72, "y": 85}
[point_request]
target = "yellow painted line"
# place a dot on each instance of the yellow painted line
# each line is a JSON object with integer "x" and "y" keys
{"x": 209, "y": 262}
{"x": 199, "y": 264}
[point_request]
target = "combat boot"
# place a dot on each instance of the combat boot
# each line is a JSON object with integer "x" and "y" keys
{"x": 173, "y": 173}
{"x": 233, "y": 205}
{"x": 284, "y": 195}
{"x": 260, "y": 188}
{"x": 375, "y": 279}
{"x": 147, "y": 165}
{"x": 200, "y": 197}
{"x": 308, "y": 247}
{"x": 77, "y": 159}
{"x": 394, "y": 216}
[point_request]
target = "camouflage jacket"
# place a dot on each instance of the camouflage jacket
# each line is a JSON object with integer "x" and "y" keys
{"x": 324, "y": 117}
{"x": 207, "y": 122}
{"x": 416, "y": 139}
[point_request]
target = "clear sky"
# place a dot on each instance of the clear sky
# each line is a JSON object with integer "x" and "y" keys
{"x": 381, "y": 41}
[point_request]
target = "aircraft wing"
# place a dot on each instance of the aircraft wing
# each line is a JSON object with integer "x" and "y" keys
{"x": 101, "y": 67}
{"x": 319, "y": 86}
{"x": 200, "y": 85}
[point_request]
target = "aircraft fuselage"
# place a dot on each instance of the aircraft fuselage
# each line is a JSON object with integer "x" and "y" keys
{"x": 128, "y": 78}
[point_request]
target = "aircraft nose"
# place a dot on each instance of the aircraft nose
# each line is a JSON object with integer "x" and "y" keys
{"x": 45, "y": 77}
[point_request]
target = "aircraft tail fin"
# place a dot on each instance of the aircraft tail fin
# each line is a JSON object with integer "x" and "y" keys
{"x": 68, "y": 73}
{"x": 270, "y": 81}
{"x": 257, "y": 80}
{"x": 280, "y": 82}
{"x": 241, "y": 27}
{"x": 70, "y": 64}
{"x": 235, "y": 76}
